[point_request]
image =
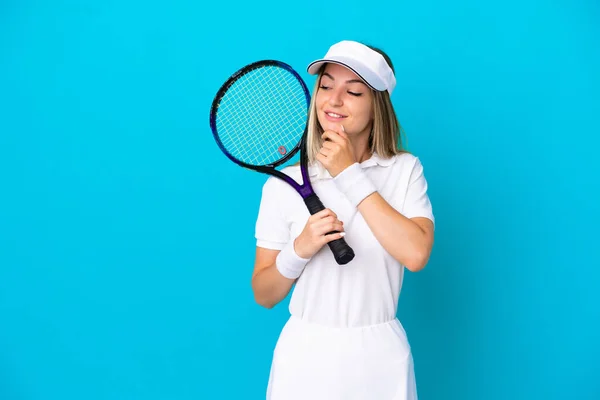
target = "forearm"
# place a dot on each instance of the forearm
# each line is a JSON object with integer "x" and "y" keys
{"x": 270, "y": 287}
{"x": 272, "y": 283}
{"x": 404, "y": 239}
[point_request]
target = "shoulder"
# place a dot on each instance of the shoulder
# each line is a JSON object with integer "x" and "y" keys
{"x": 405, "y": 163}
{"x": 273, "y": 186}
{"x": 406, "y": 158}
{"x": 293, "y": 171}
{"x": 403, "y": 170}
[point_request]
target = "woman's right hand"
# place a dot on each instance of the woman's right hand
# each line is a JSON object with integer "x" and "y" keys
{"x": 314, "y": 235}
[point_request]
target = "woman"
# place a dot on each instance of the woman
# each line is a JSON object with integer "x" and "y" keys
{"x": 343, "y": 340}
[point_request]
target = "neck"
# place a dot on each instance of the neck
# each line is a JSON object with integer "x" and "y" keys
{"x": 360, "y": 145}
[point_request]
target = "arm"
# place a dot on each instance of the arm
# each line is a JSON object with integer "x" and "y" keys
{"x": 268, "y": 285}
{"x": 408, "y": 240}
{"x": 276, "y": 271}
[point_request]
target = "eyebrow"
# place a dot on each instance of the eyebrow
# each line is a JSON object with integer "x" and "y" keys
{"x": 348, "y": 81}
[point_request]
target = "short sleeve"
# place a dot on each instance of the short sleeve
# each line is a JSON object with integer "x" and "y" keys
{"x": 272, "y": 228}
{"x": 417, "y": 202}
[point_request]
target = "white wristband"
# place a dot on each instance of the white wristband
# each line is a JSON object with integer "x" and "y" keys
{"x": 355, "y": 184}
{"x": 288, "y": 263}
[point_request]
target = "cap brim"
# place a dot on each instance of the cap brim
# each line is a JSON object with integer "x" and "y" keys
{"x": 370, "y": 78}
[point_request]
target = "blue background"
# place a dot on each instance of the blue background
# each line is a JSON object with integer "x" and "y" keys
{"x": 126, "y": 237}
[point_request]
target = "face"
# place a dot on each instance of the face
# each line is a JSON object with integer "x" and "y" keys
{"x": 343, "y": 98}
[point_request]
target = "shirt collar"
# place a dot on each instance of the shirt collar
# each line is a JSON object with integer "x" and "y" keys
{"x": 317, "y": 171}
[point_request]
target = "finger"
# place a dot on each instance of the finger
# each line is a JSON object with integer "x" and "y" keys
{"x": 320, "y": 215}
{"x": 328, "y": 219}
{"x": 325, "y": 135}
{"x": 332, "y": 219}
{"x": 325, "y": 224}
{"x": 334, "y": 236}
{"x": 326, "y": 213}
{"x": 334, "y": 215}
{"x": 323, "y": 214}
{"x": 317, "y": 222}
{"x": 333, "y": 136}
{"x": 324, "y": 228}
{"x": 325, "y": 151}
{"x": 330, "y": 145}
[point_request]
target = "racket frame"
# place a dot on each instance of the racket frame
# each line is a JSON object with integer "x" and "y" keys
{"x": 343, "y": 253}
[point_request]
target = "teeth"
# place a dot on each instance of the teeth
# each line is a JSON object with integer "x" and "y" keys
{"x": 334, "y": 115}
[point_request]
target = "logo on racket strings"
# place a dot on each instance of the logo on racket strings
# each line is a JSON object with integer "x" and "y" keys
{"x": 282, "y": 150}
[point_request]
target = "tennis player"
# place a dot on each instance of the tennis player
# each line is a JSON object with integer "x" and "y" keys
{"x": 343, "y": 340}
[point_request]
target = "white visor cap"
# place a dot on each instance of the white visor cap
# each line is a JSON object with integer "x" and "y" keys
{"x": 363, "y": 61}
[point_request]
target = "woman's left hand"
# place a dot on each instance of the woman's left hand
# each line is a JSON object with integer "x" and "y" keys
{"x": 337, "y": 153}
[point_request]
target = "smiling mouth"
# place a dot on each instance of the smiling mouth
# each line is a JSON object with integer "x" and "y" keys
{"x": 334, "y": 115}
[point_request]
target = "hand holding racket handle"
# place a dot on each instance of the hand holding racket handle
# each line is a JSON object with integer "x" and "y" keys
{"x": 342, "y": 252}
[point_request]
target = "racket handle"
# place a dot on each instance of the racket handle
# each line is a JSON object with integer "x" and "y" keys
{"x": 342, "y": 253}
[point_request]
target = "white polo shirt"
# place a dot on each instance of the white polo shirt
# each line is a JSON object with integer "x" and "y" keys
{"x": 366, "y": 290}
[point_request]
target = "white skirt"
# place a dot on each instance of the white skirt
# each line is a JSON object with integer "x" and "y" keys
{"x": 316, "y": 362}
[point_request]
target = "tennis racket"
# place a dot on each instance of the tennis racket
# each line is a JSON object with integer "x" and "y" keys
{"x": 259, "y": 121}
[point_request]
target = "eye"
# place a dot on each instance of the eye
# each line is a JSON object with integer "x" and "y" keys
{"x": 355, "y": 94}
{"x": 323, "y": 87}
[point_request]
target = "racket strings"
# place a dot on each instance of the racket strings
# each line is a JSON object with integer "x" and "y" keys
{"x": 261, "y": 106}
{"x": 263, "y": 112}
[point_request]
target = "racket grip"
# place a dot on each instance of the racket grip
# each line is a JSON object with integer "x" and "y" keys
{"x": 342, "y": 252}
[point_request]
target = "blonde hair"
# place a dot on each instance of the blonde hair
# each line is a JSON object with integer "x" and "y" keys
{"x": 386, "y": 133}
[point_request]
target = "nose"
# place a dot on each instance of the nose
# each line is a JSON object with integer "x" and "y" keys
{"x": 335, "y": 98}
